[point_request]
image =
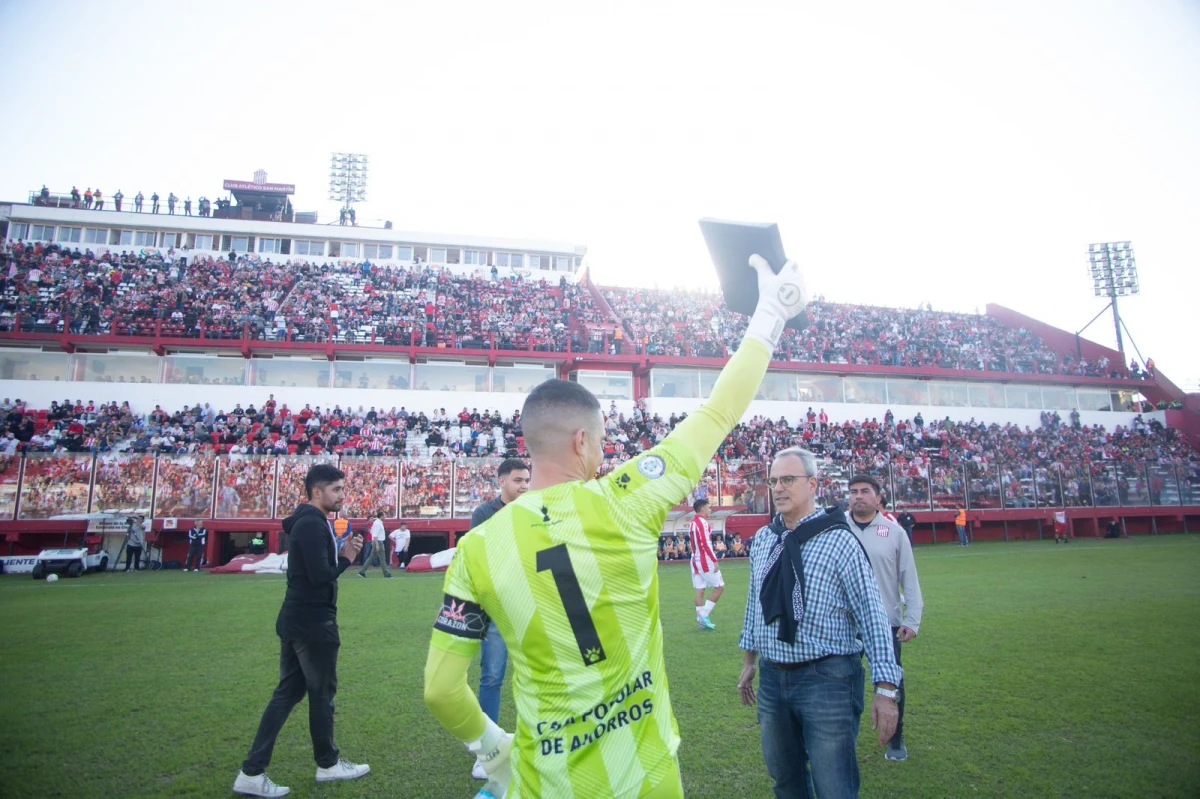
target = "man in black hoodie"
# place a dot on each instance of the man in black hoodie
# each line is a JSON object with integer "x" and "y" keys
{"x": 308, "y": 631}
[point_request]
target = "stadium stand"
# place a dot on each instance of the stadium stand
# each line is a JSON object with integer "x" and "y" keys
{"x": 451, "y": 326}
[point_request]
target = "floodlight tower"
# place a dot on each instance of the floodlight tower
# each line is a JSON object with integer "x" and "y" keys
{"x": 348, "y": 178}
{"x": 1114, "y": 274}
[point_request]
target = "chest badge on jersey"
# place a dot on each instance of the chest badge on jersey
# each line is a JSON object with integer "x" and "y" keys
{"x": 881, "y": 530}
{"x": 652, "y": 467}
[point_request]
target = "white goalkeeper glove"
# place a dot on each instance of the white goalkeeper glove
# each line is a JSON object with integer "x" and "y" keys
{"x": 780, "y": 297}
{"x": 494, "y": 752}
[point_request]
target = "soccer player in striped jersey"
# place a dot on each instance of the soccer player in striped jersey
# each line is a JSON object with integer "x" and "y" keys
{"x": 568, "y": 572}
{"x": 705, "y": 572}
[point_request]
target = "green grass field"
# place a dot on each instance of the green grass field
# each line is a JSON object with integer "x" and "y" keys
{"x": 1040, "y": 671}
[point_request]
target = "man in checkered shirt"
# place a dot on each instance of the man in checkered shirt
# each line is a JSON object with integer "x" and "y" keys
{"x": 813, "y": 607}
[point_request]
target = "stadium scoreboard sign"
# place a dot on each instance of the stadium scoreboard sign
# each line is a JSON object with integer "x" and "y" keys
{"x": 261, "y": 188}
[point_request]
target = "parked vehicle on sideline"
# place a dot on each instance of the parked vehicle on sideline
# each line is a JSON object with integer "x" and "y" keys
{"x": 71, "y": 562}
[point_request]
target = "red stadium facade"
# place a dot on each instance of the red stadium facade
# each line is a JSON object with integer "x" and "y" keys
{"x": 477, "y": 356}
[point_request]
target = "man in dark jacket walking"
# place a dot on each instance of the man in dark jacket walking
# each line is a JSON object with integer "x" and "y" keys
{"x": 308, "y": 632}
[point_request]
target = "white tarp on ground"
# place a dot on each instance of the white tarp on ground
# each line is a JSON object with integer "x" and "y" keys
{"x": 255, "y": 564}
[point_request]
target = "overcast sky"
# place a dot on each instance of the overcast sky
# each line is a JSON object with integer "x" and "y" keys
{"x": 957, "y": 153}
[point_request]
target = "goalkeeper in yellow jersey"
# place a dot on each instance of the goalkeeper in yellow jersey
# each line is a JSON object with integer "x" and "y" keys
{"x": 569, "y": 574}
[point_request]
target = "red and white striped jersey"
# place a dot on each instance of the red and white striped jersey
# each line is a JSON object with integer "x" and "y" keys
{"x": 891, "y": 517}
{"x": 704, "y": 560}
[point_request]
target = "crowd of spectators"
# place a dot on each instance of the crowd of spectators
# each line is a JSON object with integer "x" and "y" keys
{"x": 697, "y": 324}
{"x": 93, "y": 200}
{"x": 52, "y": 287}
{"x": 936, "y": 463}
{"x": 725, "y": 545}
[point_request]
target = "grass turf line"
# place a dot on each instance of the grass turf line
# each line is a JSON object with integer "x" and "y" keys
{"x": 1041, "y": 670}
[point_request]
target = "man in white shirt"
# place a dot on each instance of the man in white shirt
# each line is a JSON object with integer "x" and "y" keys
{"x": 400, "y": 540}
{"x": 379, "y": 548}
{"x": 888, "y": 548}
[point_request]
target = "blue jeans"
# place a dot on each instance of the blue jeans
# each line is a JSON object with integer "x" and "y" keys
{"x": 493, "y": 662}
{"x": 809, "y": 719}
{"x": 962, "y": 535}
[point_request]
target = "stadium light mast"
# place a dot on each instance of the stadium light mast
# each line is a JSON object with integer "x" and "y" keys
{"x": 1114, "y": 274}
{"x": 348, "y": 178}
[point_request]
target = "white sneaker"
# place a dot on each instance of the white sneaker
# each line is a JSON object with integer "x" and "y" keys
{"x": 344, "y": 770}
{"x": 477, "y": 771}
{"x": 187, "y": 570}
{"x": 258, "y": 786}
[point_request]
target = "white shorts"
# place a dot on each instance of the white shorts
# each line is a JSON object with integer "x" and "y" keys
{"x": 707, "y": 580}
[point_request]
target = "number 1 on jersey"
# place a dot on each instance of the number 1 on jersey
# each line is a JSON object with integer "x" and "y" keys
{"x": 557, "y": 561}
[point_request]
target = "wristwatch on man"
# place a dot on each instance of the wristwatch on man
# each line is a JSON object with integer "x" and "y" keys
{"x": 888, "y": 693}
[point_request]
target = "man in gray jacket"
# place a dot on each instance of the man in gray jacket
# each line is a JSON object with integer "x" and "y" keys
{"x": 891, "y": 556}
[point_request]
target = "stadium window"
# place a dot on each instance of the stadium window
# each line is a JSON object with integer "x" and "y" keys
{"x": 435, "y": 376}
{"x": 562, "y": 264}
{"x": 268, "y": 245}
{"x": 120, "y": 368}
{"x": 169, "y": 240}
{"x": 520, "y": 378}
{"x": 239, "y": 243}
{"x": 69, "y": 234}
{"x": 1094, "y": 400}
{"x": 437, "y": 255}
{"x": 540, "y": 261}
{"x": 819, "y": 389}
{"x": 372, "y": 374}
{"x": 204, "y": 241}
{"x": 18, "y": 230}
{"x": 907, "y": 392}
{"x": 349, "y": 249}
{"x": 516, "y": 260}
{"x": 421, "y": 254}
{"x": 951, "y": 395}
{"x": 605, "y": 385}
{"x": 1059, "y": 399}
{"x": 289, "y": 373}
{"x": 987, "y": 395}
{"x": 866, "y": 389}
{"x": 33, "y": 365}
{"x": 123, "y": 238}
{"x": 775, "y": 387}
{"x": 474, "y": 258}
{"x": 675, "y": 383}
{"x": 42, "y": 233}
{"x": 383, "y": 251}
{"x": 204, "y": 370}
{"x": 453, "y": 256}
{"x": 144, "y": 238}
{"x": 1023, "y": 397}
{"x": 309, "y": 247}
{"x": 501, "y": 259}
{"x": 404, "y": 253}
{"x": 95, "y": 236}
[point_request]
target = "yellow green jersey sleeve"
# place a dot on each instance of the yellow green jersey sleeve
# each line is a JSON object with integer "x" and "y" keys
{"x": 569, "y": 574}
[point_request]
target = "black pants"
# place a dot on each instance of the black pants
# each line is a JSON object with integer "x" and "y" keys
{"x": 900, "y": 720}
{"x": 195, "y": 556}
{"x": 133, "y": 556}
{"x": 305, "y": 667}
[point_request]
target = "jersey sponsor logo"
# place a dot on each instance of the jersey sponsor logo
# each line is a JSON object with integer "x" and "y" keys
{"x": 615, "y": 712}
{"x": 881, "y": 530}
{"x": 462, "y": 618}
{"x": 652, "y": 467}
